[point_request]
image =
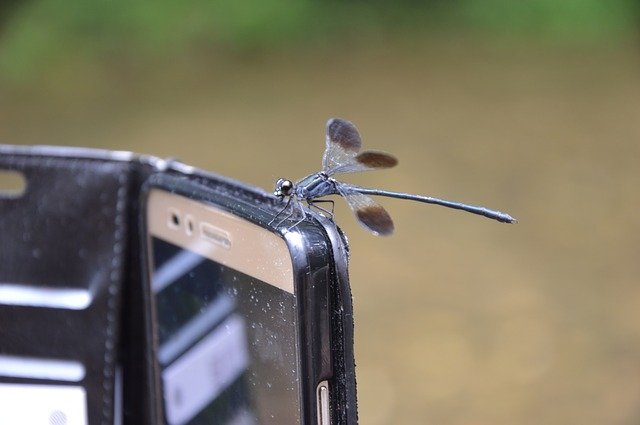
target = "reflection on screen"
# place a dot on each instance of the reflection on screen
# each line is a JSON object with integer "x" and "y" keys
{"x": 227, "y": 343}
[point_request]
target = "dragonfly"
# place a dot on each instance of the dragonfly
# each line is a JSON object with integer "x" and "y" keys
{"x": 343, "y": 155}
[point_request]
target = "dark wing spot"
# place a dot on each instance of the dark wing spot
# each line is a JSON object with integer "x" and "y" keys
{"x": 344, "y": 134}
{"x": 376, "y": 219}
{"x": 375, "y": 159}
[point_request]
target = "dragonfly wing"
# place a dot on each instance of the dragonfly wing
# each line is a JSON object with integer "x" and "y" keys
{"x": 343, "y": 143}
{"x": 371, "y": 215}
{"x": 365, "y": 161}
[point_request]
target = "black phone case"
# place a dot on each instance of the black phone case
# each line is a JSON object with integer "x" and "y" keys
{"x": 78, "y": 226}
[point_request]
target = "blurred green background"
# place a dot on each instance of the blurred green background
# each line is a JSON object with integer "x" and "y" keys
{"x": 531, "y": 107}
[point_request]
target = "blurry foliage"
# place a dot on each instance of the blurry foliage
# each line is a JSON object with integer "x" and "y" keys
{"x": 563, "y": 20}
{"x": 42, "y": 34}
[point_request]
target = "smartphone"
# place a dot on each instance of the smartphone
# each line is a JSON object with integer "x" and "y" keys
{"x": 249, "y": 324}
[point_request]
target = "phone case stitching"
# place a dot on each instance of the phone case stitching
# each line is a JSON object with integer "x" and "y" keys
{"x": 112, "y": 304}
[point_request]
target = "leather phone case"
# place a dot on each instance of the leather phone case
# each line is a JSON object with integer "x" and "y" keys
{"x": 71, "y": 303}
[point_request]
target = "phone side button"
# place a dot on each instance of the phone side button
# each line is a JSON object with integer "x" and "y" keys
{"x": 322, "y": 395}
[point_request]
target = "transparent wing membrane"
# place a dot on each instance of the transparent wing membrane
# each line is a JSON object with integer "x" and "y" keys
{"x": 343, "y": 143}
{"x": 364, "y": 161}
{"x": 371, "y": 215}
{"x": 342, "y": 153}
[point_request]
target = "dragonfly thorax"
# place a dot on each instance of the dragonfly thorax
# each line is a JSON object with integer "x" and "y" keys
{"x": 314, "y": 186}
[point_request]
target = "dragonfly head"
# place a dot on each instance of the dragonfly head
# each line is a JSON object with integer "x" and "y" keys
{"x": 283, "y": 188}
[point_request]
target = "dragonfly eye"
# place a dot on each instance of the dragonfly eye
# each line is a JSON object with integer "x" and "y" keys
{"x": 284, "y": 187}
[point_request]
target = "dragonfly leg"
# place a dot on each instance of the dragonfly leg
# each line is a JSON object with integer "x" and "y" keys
{"x": 295, "y": 207}
{"x": 314, "y": 203}
{"x": 280, "y": 212}
{"x": 303, "y": 215}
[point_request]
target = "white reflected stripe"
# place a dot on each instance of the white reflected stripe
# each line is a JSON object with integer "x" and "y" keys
{"x": 37, "y": 296}
{"x": 37, "y": 368}
{"x": 42, "y": 404}
{"x": 178, "y": 266}
{"x": 205, "y": 371}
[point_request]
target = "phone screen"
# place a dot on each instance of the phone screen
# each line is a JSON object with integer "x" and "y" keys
{"x": 226, "y": 340}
